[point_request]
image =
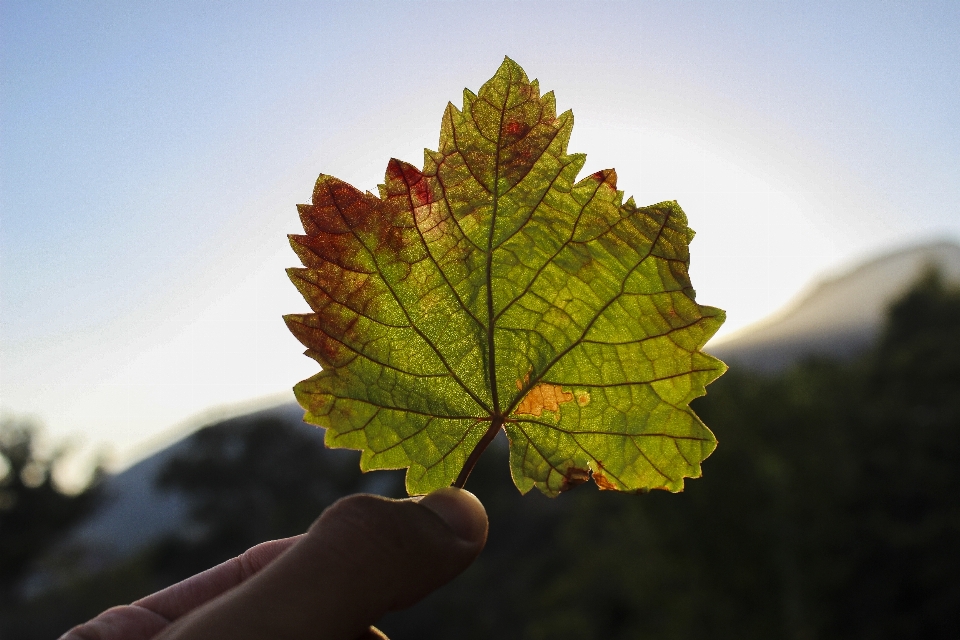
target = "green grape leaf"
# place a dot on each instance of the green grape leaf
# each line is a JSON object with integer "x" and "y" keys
{"x": 491, "y": 290}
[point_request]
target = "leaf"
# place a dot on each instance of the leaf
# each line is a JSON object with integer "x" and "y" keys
{"x": 493, "y": 290}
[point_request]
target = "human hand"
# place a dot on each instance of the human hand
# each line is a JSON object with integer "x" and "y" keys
{"x": 363, "y": 557}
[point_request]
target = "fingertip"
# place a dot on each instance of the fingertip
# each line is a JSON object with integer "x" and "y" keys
{"x": 462, "y": 512}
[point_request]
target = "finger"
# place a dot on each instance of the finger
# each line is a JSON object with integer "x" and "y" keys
{"x": 148, "y": 616}
{"x": 183, "y": 597}
{"x": 119, "y": 623}
{"x": 363, "y": 557}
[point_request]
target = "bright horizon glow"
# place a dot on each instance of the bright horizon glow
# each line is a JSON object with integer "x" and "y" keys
{"x": 149, "y": 291}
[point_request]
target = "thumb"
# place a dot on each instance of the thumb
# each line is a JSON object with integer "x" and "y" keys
{"x": 364, "y": 556}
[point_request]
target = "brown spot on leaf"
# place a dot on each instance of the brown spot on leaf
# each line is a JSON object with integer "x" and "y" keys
{"x": 572, "y": 477}
{"x": 543, "y": 397}
{"x": 583, "y": 398}
{"x": 603, "y": 483}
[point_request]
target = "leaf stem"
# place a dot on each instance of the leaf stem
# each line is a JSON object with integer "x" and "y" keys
{"x": 485, "y": 441}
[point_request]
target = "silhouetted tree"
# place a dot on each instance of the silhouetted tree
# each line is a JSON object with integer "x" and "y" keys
{"x": 253, "y": 480}
{"x": 34, "y": 512}
{"x": 906, "y": 514}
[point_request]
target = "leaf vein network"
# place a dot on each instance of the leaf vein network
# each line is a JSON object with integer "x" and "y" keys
{"x": 456, "y": 145}
{"x": 406, "y": 313}
{"x": 534, "y": 380}
{"x": 548, "y": 261}
{"x": 605, "y": 385}
{"x": 446, "y": 201}
{"x": 654, "y": 336}
{"x": 436, "y": 264}
{"x": 377, "y": 362}
{"x": 387, "y": 407}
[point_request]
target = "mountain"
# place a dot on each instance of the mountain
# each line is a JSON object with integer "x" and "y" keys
{"x": 837, "y": 316}
{"x": 136, "y": 512}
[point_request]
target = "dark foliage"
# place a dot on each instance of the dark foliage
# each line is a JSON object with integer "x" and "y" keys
{"x": 905, "y": 514}
{"x": 250, "y": 481}
{"x": 34, "y": 511}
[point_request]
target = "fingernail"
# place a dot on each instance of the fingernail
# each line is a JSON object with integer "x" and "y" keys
{"x": 461, "y": 510}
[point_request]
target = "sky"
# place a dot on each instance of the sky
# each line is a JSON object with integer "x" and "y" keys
{"x": 152, "y": 154}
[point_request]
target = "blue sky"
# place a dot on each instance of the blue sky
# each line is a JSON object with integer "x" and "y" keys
{"x": 151, "y": 155}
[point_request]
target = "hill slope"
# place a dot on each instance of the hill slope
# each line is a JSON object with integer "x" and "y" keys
{"x": 837, "y": 316}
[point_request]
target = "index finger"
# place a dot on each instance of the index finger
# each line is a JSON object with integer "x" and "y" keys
{"x": 187, "y": 595}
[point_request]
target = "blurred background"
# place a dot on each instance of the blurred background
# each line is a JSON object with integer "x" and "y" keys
{"x": 150, "y": 159}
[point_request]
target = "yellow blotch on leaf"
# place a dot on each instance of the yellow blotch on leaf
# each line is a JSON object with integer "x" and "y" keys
{"x": 544, "y": 397}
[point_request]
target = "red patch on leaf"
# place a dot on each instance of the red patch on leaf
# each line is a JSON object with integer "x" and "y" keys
{"x": 320, "y": 346}
{"x": 605, "y": 176}
{"x": 394, "y": 169}
{"x": 515, "y": 128}
{"x": 420, "y": 192}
